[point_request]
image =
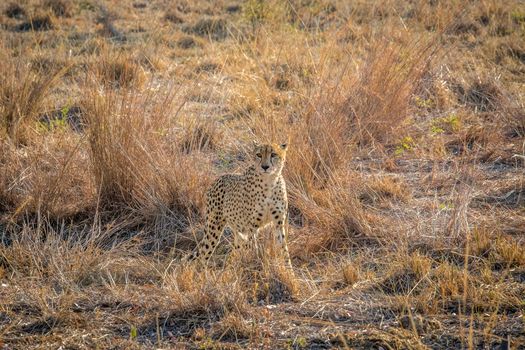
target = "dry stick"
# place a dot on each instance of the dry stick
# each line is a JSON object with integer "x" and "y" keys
{"x": 462, "y": 310}
{"x": 159, "y": 330}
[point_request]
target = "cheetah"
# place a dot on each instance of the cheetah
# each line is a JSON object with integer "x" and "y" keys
{"x": 247, "y": 202}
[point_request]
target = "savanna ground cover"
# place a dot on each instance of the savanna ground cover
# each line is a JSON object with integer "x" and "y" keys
{"x": 405, "y": 172}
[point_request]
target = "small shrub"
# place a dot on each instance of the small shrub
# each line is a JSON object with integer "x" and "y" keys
{"x": 71, "y": 116}
{"x": 518, "y": 16}
{"x": 119, "y": 72}
{"x": 449, "y": 124}
{"x": 426, "y": 103}
{"x": 406, "y": 144}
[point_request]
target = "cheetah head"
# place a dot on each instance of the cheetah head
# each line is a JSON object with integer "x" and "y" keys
{"x": 269, "y": 158}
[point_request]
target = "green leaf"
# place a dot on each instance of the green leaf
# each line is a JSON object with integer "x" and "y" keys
{"x": 133, "y": 333}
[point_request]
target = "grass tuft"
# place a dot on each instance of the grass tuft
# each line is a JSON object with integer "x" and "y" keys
{"x": 120, "y": 72}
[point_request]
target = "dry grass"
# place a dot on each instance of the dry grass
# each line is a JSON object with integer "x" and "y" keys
{"x": 405, "y": 173}
{"x": 60, "y": 8}
{"x": 23, "y": 94}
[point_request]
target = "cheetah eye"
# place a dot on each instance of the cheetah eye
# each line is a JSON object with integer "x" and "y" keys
{"x": 274, "y": 155}
{"x": 258, "y": 155}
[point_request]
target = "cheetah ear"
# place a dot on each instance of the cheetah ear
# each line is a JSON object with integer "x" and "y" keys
{"x": 255, "y": 144}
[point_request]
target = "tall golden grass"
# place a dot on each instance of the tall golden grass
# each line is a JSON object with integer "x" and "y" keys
{"x": 404, "y": 174}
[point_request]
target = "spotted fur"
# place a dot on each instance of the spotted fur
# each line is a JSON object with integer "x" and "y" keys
{"x": 247, "y": 202}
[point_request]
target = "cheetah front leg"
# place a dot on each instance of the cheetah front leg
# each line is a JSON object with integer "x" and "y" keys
{"x": 240, "y": 240}
{"x": 281, "y": 235}
{"x": 282, "y": 240}
{"x": 243, "y": 240}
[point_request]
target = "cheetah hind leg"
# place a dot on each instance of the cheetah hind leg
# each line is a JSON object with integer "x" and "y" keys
{"x": 206, "y": 247}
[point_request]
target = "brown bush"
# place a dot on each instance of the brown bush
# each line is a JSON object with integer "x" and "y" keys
{"x": 23, "y": 94}
{"x": 379, "y": 100}
{"x": 124, "y": 150}
{"x": 119, "y": 72}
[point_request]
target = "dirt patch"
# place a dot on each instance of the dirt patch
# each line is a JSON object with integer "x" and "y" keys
{"x": 391, "y": 338}
{"x": 509, "y": 198}
{"x": 42, "y": 326}
{"x": 72, "y": 116}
